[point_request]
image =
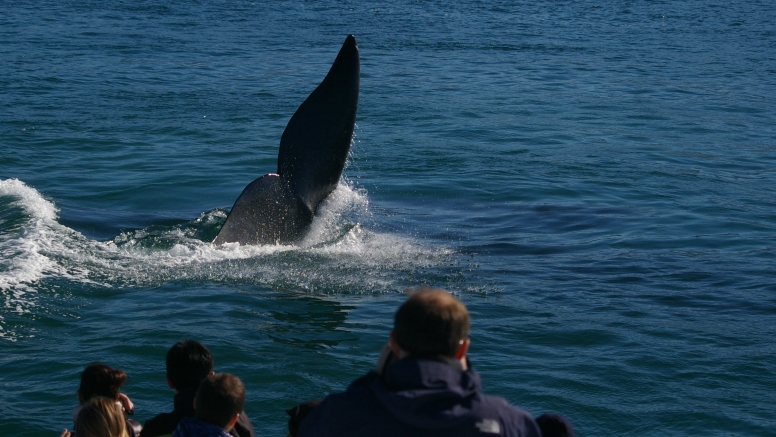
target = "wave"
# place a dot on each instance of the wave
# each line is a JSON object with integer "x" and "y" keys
{"x": 339, "y": 254}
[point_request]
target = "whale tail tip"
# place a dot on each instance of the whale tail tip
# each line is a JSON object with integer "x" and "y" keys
{"x": 313, "y": 151}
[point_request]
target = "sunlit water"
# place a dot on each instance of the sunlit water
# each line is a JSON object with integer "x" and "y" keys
{"x": 595, "y": 181}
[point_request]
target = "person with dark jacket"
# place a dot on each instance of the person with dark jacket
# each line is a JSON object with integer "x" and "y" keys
{"x": 188, "y": 364}
{"x": 423, "y": 385}
{"x": 218, "y": 404}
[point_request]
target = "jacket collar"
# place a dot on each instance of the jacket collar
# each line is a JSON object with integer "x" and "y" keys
{"x": 427, "y": 394}
{"x": 440, "y": 373}
{"x": 183, "y": 402}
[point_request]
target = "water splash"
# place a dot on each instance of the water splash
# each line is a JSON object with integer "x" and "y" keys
{"x": 339, "y": 255}
{"x": 29, "y": 241}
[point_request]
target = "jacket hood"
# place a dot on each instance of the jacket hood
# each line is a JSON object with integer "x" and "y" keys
{"x": 427, "y": 394}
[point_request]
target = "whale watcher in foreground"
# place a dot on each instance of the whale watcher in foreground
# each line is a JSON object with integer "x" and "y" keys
{"x": 423, "y": 383}
{"x": 278, "y": 208}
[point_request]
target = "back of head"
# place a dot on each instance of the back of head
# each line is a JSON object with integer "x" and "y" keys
{"x": 188, "y": 363}
{"x": 554, "y": 425}
{"x": 100, "y": 380}
{"x": 431, "y": 322}
{"x": 101, "y": 417}
{"x": 219, "y": 398}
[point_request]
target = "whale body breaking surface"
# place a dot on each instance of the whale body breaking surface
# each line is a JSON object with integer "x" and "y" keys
{"x": 278, "y": 208}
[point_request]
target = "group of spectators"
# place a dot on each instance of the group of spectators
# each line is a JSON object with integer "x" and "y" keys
{"x": 423, "y": 385}
{"x": 205, "y": 403}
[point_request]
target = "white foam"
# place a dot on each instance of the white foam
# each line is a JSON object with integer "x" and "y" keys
{"x": 24, "y": 243}
{"x": 22, "y": 247}
{"x": 339, "y": 252}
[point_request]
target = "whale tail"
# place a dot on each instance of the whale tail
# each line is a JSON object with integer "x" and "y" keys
{"x": 278, "y": 208}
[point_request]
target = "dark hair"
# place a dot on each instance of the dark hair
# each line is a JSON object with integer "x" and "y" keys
{"x": 219, "y": 398}
{"x": 100, "y": 380}
{"x": 554, "y": 425}
{"x": 431, "y": 322}
{"x": 188, "y": 363}
{"x": 101, "y": 417}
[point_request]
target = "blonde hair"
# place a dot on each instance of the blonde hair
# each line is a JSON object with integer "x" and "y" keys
{"x": 101, "y": 417}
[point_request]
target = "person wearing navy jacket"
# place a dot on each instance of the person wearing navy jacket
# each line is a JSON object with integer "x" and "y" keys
{"x": 423, "y": 384}
{"x": 188, "y": 363}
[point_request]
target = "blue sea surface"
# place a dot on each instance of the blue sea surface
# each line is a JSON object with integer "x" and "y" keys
{"x": 594, "y": 180}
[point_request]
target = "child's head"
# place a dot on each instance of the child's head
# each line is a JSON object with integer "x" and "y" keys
{"x": 101, "y": 417}
{"x": 188, "y": 363}
{"x": 100, "y": 380}
{"x": 220, "y": 400}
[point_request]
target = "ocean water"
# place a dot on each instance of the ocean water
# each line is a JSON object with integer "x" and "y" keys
{"x": 594, "y": 180}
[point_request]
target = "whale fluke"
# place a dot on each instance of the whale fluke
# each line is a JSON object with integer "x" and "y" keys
{"x": 278, "y": 208}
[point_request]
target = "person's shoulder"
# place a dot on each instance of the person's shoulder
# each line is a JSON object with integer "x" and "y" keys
{"x": 516, "y": 420}
{"x": 158, "y": 419}
{"x": 159, "y": 425}
{"x": 355, "y": 391}
{"x": 353, "y": 396}
{"x": 337, "y": 410}
{"x": 243, "y": 427}
{"x": 498, "y": 403}
{"x": 364, "y": 381}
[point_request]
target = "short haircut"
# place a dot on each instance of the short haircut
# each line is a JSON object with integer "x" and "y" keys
{"x": 219, "y": 398}
{"x": 188, "y": 363}
{"x": 101, "y": 417}
{"x": 100, "y": 380}
{"x": 431, "y": 322}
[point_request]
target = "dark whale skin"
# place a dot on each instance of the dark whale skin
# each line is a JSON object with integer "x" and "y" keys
{"x": 279, "y": 208}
